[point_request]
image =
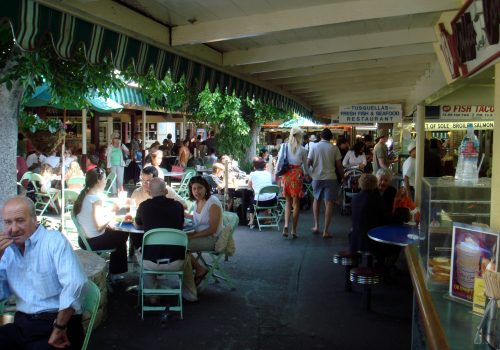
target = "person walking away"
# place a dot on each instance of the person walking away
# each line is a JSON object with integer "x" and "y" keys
{"x": 115, "y": 161}
{"x": 292, "y": 180}
{"x": 409, "y": 170}
{"x": 39, "y": 267}
{"x": 324, "y": 158}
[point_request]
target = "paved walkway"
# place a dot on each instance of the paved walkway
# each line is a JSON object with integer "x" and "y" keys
{"x": 289, "y": 296}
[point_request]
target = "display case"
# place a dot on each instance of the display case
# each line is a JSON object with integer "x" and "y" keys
{"x": 443, "y": 203}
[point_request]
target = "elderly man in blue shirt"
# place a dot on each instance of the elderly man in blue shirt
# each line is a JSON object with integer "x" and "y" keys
{"x": 39, "y": 267}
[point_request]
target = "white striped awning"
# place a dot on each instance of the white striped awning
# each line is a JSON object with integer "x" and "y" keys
{"x": 31, "y": 21}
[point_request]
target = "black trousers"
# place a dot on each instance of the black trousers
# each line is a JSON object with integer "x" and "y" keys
{"x": 108, "y": 240}
{"x": 29, "y": 332}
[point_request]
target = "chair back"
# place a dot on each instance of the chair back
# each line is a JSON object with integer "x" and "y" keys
{"x": 79, "y": 229}
{"x": 35, "y": 179}
{"x": 70, "y": 197}
{"x": 183, "y": 189}
{"x": 91, "y": 305}
{"x": 110, "y": 181}
{"x": 77, "y": 180}
{"x": 267, "y": 189}
{"x": 165, "y": 236}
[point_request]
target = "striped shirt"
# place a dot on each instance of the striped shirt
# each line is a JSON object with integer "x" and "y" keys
{"x": 47, "y": 278}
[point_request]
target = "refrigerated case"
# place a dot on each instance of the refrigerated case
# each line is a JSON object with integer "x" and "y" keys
{"x": 443, "y": 203}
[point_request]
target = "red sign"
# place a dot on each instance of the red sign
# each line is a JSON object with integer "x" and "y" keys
{"x": 474, "y": 43}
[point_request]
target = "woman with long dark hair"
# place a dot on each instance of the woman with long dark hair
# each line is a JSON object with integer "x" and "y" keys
{"x": 207, "y": 220}
{"x": 94, "y": 217}
{"x": 355, "y": 158}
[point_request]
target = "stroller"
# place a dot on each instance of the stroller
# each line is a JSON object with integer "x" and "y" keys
{"x": 350, "y": 188}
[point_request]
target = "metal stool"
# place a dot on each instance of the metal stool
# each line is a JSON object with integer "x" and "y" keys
{"x": 349, "y": 260}
{"x": 366, "y": 276}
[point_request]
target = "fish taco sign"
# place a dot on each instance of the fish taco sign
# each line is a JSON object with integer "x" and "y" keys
{"x": 370, "y": 114}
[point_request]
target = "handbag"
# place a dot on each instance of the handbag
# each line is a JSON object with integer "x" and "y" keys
{"x": 283, "y": 165}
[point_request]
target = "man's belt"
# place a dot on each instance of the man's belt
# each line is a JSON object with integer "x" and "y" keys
{"x": 47, "y": 316}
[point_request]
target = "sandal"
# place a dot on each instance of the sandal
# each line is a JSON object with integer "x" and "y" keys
{"x": 294, "y": 236}
{"x": 285, "y": 231}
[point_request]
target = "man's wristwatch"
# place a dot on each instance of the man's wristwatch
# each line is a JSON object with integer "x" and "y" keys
{"x": 60, "y": 327}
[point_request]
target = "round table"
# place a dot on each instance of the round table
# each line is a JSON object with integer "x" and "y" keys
{"x": 395, "y": 234}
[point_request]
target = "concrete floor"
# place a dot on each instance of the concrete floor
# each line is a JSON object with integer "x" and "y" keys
{"x": 289, "y": 296}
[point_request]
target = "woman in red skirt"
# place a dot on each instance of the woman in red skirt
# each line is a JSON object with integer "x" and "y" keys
{"x": 292, "y": 179}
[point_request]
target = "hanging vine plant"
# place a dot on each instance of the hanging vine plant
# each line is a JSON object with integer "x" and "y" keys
{"x": 45, "y": 135}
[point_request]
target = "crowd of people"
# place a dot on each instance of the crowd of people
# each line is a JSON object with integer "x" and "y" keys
{"x": 296, "y": 164}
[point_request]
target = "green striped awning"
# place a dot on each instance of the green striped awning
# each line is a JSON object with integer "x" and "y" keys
{"x": 129, "y": 97}
{"x": 31, "y": 21}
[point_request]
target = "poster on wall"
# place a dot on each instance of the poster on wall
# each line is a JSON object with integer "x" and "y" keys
{"x": 474, "y": 251}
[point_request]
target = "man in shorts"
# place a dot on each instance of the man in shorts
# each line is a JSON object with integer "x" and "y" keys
{"x": 324, "y": 158}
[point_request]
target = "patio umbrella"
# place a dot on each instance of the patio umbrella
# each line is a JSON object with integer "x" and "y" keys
{"x": 42, "y": 97}
{"x": 299, "y": 122}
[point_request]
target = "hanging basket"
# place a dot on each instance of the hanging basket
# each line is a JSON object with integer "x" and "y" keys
{"x": 45, "y": 141}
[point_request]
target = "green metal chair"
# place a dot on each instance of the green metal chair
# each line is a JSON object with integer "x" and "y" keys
{"x": 77, "y": 180}
{"x": 162, "y": 236}
{"x": 183, "y": 188}
{"x": 42, "y": 199}
{"x": 273, "y": 211}
{"x": 215, "y": 271}
{"x": 91, "y": 305}
{"x": 70, "y": 197}
{"x": 81, "y": 235}
{"x": 110, "y": 181}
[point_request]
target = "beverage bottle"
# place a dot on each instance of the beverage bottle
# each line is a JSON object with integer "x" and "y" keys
{"x": 468, "y": 154}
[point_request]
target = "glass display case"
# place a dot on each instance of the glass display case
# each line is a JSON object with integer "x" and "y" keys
{"x": 443, "y": 203}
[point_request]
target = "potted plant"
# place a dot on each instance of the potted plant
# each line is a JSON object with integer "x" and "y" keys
{"x": 45, "y": 135}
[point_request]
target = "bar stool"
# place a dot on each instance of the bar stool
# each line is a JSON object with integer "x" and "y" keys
{"x": 367, "y": 276}
{"x": 349, "y": 260}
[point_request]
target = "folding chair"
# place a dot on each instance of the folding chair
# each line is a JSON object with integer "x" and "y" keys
{"x": 90, "y": 306}
{"x": 42, "y": 199}
{"x": 170, "y": 237}
{"x": 110, "y": 181}
{"x": 76, "y": 182}
{"x": 70, "y": 197}
{"x": 273, "y": 210}
{"x": 215, "y": 270}
{"x": 183, "y": 188}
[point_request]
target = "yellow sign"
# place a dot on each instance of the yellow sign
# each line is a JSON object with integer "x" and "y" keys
{"x": 481, "y": 125}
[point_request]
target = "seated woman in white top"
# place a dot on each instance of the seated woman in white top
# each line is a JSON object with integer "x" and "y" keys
{"x": 94, "y": 217}
{"x": 207, "y": 221}
{"x": 355, "y": 158}
{"x": 258, "y": 179}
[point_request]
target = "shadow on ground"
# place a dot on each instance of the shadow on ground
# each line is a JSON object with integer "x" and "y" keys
{"x": 289, "y": 296}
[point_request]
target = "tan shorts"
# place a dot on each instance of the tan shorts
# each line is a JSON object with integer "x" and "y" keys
{"x": 202, "y": 244}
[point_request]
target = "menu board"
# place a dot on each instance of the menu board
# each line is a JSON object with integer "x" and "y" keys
{"x": 474, "y": 250}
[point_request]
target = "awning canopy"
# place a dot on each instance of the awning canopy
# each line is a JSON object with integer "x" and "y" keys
{"x": 31, "y": 21}
{"x": 299, "y": 122}
{"x": 42, "y": 97}
{"x": 129, "y": 97}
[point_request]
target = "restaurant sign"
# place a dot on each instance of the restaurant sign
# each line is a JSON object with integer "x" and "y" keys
{"x": 464, "y": 112}
{"x": 474, "y": 41}
{"x": 370, "y": 114}
{"x": 481, "y": 125}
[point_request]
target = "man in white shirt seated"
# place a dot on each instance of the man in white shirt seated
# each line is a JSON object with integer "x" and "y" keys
{"x": 34, "y": 161}
{"x": 39, "y": 267}
{"x": 142, "y": 193}
{"x": 258, "y": 179}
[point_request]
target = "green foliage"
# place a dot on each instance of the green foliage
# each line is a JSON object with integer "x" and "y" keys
{"x": 33, "y": 123}
{"x": 69, "y": 80}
